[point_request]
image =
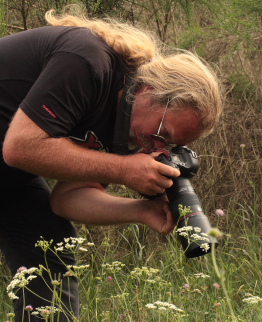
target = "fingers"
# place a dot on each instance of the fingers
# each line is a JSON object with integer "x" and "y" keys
{"x": 161, "y": 182}
{"x": 169, "y": 224}
{"x": 144, "y": 174}
{"x": 164, "y": 182}
{"x": 168, "y": 171}
{"x": 164, "y": 169}
{"x": 155, "y": 154}
{"x": 158, "y": 188}
{"x": 156, "y": 214}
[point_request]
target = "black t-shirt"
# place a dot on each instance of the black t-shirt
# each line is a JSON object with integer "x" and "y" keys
{"x": 65, "y": 79}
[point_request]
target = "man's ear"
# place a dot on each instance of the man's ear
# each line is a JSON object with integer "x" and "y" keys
{"x": 143, "y": 89}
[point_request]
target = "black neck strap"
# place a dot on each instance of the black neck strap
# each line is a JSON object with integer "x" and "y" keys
{"x": 122, "y": 126}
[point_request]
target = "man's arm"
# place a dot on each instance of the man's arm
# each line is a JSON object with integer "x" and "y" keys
{"x": 88, "y": 203}
{"x": 31, "y": 149}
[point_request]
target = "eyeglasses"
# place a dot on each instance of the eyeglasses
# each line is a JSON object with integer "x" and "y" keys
{"x": 159, "y": 137}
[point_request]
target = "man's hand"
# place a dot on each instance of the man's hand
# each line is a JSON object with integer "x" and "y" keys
{"x": 156, "y": 215}
{"x": 142, "y": 173}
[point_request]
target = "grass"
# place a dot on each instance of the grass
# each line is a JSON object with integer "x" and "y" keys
{"x": 2, "y": 19}
{"x": 138, "y": 275}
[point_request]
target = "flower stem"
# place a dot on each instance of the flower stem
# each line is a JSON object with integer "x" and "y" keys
{"x": 221, "y": 277}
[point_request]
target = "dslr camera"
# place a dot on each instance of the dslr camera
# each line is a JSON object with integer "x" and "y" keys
{"x": 192, "y": 224}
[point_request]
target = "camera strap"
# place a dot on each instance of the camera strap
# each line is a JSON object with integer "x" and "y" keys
{"x": 122, "y": 126}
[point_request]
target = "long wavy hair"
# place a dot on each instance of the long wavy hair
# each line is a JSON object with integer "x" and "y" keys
{"x": 182, "y": 78}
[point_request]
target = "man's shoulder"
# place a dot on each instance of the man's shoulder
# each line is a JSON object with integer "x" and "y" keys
{"x": 91, "y": 47}
{"x": 84, "y": 43}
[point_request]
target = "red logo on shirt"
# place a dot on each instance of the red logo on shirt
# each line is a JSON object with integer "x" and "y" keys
{"x": 90, "y": 141}
{"x": 48, "y": 111}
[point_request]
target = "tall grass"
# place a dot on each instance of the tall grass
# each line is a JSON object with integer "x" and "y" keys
{"x": 138, "y": 275}
{"x": 2, "y": 19}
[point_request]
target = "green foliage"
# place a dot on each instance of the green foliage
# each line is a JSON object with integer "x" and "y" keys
{"x": 165, "y": 278}
{"x": 102, "y": 8}
{"x": 159, "y": 283}
{"x": 190, "y": 37}
{"x": 247, "y": 7}
{"x": 242, "y": 85}
{"x": 5, "y": 303}
{"x": 2, "y": 19}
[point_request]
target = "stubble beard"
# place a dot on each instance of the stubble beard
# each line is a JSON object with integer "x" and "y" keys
{"x": 138, "y": 141}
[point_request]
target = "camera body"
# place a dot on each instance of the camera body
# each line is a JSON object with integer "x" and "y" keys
{"x": 192, "y": 225}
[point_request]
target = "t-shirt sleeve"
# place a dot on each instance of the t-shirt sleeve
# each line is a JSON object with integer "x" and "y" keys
{"x": 64, "y": 91}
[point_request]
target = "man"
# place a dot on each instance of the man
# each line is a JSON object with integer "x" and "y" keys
{"x": 64, "y": 93}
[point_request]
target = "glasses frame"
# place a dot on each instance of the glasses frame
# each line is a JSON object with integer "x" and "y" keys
{"x": 157, "y": 134}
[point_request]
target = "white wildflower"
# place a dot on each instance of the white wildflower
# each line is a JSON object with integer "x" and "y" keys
{"x": 205, "y": 247}
{"x": 12, "y": 296}
{"x": 252, "y": 299}
{"x": 59, "y": 249}
{"x": 151, "y": 306}
{"x": 197, "y": 229}
{"x": 83, "y": 249}
{"x": 186, "y": 228}
{"x": 198, "y": 275}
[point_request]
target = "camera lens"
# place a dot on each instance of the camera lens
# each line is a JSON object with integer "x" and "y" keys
{"x": 194, "y": 226}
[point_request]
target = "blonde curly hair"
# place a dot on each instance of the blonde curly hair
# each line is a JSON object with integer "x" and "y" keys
{"x": 182, "y": 78}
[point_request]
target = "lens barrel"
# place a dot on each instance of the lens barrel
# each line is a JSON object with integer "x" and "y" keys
{"x": 193, "y": 228}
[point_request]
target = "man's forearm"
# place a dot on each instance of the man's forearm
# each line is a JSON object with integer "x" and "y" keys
{"x": 31, "y": 149}
{"x": 88, "y": 203}
{"x": 61, "y": 159}
{"x": 95, "y": 207}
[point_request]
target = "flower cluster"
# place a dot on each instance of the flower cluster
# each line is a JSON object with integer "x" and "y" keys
{"x": 252, "y": 299}
{"x": 45, "y": 311}
{"x": 144, "y": 271}
{"x": 149, "y": 275}
{"x": 183, "y": 210}
{"x": 216, "y": 285}
{"x": 220, "y": 212}
{"x": 159, "y": 282}
{"x": 205, "y": 247}
{"x": 77, "y": 267}
{"x": 72, "y": 244}
{"x": 201, "y": 275}
{"x": 106, "y": 243}
{"x": 114, "y": 267}
{"x": 20, "y": 280}
{"x": 163, "y": 306}
{"x": 202, "y": 236}
{"x": 105, "y": 315}
{"x": 119, "y": 296}
{"x": 194, "y": 235}
{"x": 44, "y": 244}
{"x": 10, "y": 315}
{"x": 184, "y": 231}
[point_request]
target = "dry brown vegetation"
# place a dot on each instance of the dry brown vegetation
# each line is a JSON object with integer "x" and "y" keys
{"x": 231, "y": 165}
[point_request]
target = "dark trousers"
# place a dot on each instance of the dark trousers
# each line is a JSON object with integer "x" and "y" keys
{"x": 25, "y": 217}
